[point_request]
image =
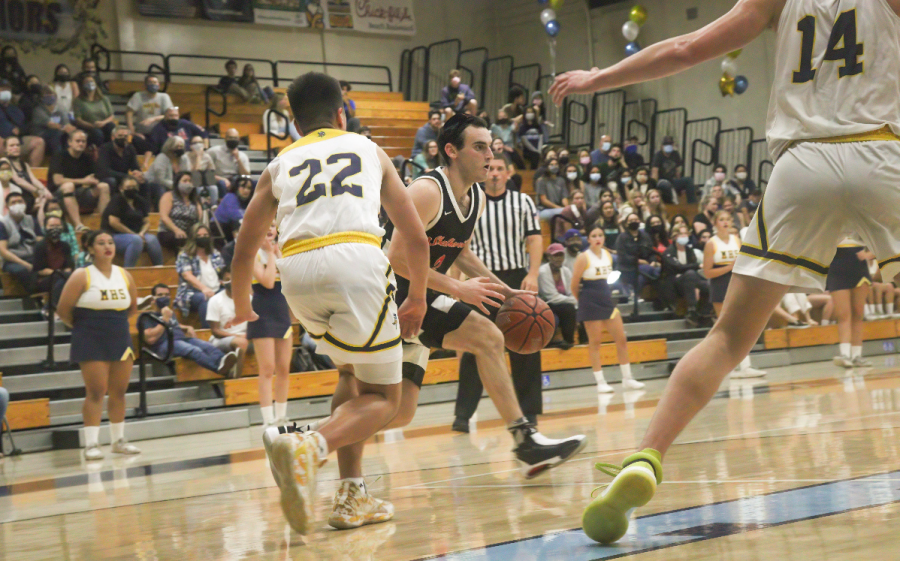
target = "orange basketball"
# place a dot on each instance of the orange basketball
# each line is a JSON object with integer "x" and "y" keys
{"x": 527, "y": 323}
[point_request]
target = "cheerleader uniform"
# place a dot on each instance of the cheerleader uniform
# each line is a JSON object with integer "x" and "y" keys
{"x": 270, "y": 305}
{"x": 100, "y": 328}
{"x": 726, "y": 253}
{"x": 595, "y": 301}
{"x": 846, "y": 270}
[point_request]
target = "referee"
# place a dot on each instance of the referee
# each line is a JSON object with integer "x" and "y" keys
{"x": 508, "y": 239}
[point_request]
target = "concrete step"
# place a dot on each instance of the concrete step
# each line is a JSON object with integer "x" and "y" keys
{"x": 30, "y": 329}
{"x": 20, "y": 316}
{"x": 22, "y": 356}
{"x": 11, "y": 305}
{"x": 49, "y": 381}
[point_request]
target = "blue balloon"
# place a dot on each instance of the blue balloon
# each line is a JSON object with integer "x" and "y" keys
{"x": 741, "y": 84}
{"x": 552, "y": 28}
{"x": 632, "y": 48}
{"x": 542, "y": 2}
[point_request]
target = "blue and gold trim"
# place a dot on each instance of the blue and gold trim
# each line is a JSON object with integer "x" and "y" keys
{"x": 313, "y": 137}
{"x": 768, "y": 254}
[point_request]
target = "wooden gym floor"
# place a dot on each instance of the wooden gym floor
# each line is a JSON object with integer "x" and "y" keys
{"x": 804, "y": 464}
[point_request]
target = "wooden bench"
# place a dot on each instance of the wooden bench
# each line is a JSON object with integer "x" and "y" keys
{"x": 149, "y": 276}
{"x": 28, "y": 413}
{"x": 11, "y": 285}
{"x": 826, "y": 334}
{"x": 258, "y": 142}
{"x": 244, "y": 129}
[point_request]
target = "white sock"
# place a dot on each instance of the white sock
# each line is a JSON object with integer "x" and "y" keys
{"x": 745, "y": 364}
{"x": 358, "y": 481}
{"x": 91, "y": 436}
{"x": 868, "y": 310}
{"x": 879, "y": 309}
{"x": 598, "y": 375}
{"x": 316, "y": 425}
{"x": 626, "y": 371}
{"x": 845, "y": 349}
{"x": 268, "y": 414}
{"x": 116, "y": 431}
{"x": 322, "y": 444}
{"x": 824, "y": 322}
{"x": 889, "y": 308}
{"x": 855, "y": 351}
{"x": 281, "y": 410}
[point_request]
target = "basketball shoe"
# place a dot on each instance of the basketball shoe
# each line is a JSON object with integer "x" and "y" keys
{"x": 536, "y": 453}
{"x": 295, "y": 462}
{"x": 353, "y": 507}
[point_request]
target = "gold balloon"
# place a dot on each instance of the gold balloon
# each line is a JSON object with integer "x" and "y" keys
{"x": 638, "y": 15}
{"x": 556, "y": 4}
{"x": 735, "y": 54}
{"x": 726, "y": 85}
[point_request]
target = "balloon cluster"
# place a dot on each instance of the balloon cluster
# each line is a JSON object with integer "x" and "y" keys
{"x": 632, "y": 28}
{"x": 548, "y": 16}
{"x": 730, "y": 83}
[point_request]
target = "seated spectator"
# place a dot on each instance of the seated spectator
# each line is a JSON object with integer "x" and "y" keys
{"x": 13, "y": 123}
{"x": 632, "y": 157}
{"x": 127, "y": 219}
{"x": 428, "y": 131}
{"x": 541, "y": 171}
{"x": 750, "y": 204}
{"x": 574, "y": 243}
{"x": 615, "y": 164}
{"x": 93, "y": 112}
{"x": 667, "y": 164}
{"x": 677, "y": 221}
{"x": 514, "y": 183}
{"x": 573, "y": 179}
{"x": 531, "y": 135}
{"x": 659, "y": 235}
{"x": 228, "y": 251}
{"x": 702, "y": 239}
{"x": 171, "y": 126}
{"x": 23, "y": 177}
{"x": 593, "y": 186}
{"x": 704, "y": 220}
{"x": 73, "y": 178}
{"x": 65, "y": 88}
{"x": 171, "y": 162}
{"x": 505, "y": 130}
{"x": 537, "y": 101}
{"x": 230, "y": 84}
{"x": 6, "y": 185}
{"x": 88, "y": 68}
{"x": 50, "y": 122}
{"x": 203, "y": 171}
{"x": 563, "y": 157}
{"x": 642, "y": 180}
{"x": 184, "y": 339}
{"x": 363, "y": 131}
{"x": 608, "y": 221}
{"x": 117, "y": 161}
{"x": 719, "y": 179}
{"x": 198, "y": 265}
{"x": 426, "y": 160}
{"x": 248, "y": 83}
{"x": 52, "y": 207}
{"x": 656, "y": 206}
{"x": 31, "y": 97}
{"x": 554, "y": 288}
{"x": 228, "y": 159}
{"x": 11, "y": 70}
{"x": 635, "y": 204}
{"x": 275, "y": 124}
{"x": 626, "y": 181}
{"x": 457, "y": 97}
{"x": 794, "y": 310}
{"x": 681, "y": 278}
{"x": 19, "y": 234}
{"x": 179, "y": 212}
{"x": 574, "y": 216}
{"x": 584, "y": 164}
{"x": 219, "y": 313}
{"x": 741, "y": 182}
{"x": 230, "y": 211}
{"x": 52, "y": 254}
{"x": 551, "y": 192}
{"x": 636, "y": 259}
{"x": 737, "y": 218}
{"x": 349, "y": 107}
{"x": 600, "y": 156}
{"x": 515, "y": 108}
{"x": 144, "y": 111}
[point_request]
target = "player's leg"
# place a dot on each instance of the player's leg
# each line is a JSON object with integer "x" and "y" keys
{"x": 595, "y": 338}
{"x": 857, "y": 308}
{"x": 282, "y": 377}
{"x": 616, "y": 328}
{"x": 264, "y": 349}
{"x": 844, "y": 317}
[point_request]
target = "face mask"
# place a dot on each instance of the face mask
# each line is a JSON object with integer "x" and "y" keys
{"x": 631, "y": 149}
{"x": 197, "y": 147}
{"x": 656, "y": 229}
{"x": 121, "y": 142}
{"x": 752, "y": 204}
{"x": 585, "y": 161}
{"x": 606, "y": 146}
{"x": 49, "y": 100}
{"x": 90, "y": 86}
{"x": 162, "y": 302}
{"x": 231, "y": 144}
{"x": 572, "y": 175}
{"x": 553, "y": 169}
{"x": 153, "y": 88}
{"x": 185, "y": 188}
{"x": 742, "y": 175}
{"x": 130, "y": 193}
{"x": 502, "y": 121}
{"x": 178, "y": 152}
{"x": 595, "y": 178}
{"x": 5, "y": 175}
{"x": 172, "y": 123}
{"x": 529, "y": 116}
{"x": 17, "y": 210}
{"x": 668, "y": 148}
{"x": 204, "y": 242}
{"x": 54, "y": 234}
{"x": 719, "y": 176}
{"x": 5, "y": 96}
{"x": 626, "y": 180}
{"x": 574, "y": 248}
{"x": 642, "y": 179}
{"x": 634, "y": 226}
{"x": 564, "y": 160}
{"x": 35, "y": 88}
{"x": 682, "y": 240}
{"x": 61, "y": 78}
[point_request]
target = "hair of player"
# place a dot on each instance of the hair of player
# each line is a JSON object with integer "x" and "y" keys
{"x": 315, "y": 101}
{"x": 453, "y": 132}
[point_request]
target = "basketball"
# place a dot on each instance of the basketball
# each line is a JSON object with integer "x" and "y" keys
{"x": 527, "y": 323}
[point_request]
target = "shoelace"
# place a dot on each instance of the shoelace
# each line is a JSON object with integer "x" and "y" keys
{"x": 344, "y": 503}
{"x": 611, "y": 470}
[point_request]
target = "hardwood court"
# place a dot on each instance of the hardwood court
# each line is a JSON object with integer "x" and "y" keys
{"x": 801, "y": 465}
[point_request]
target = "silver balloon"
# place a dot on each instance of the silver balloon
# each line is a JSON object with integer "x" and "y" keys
{"x": 547, "y": 15}
{"x": 631, "y": 30}
{"x": 729, "y": 66}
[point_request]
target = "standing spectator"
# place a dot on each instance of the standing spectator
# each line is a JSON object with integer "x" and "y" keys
{"x": 532, "y": 136}
{"x": 427, "y": 160}
{"x": 179, "y": 212}
{"x": 349, "y": 107}
{"x": 457, "y": 97}
{"x": 600, "y": 156}
{"x": 22, "y": 175}
{"x": 96, "y": 303}
{"x": 13, "y": 123}
{"x": 73, "y": 174}
{"x": 229, "y": 160}
{"x": 171, "y": 126}
{"x": 554, "y": 288}
{"x": 230, "y": 211}
{"x": 681, "y": 277}
{"x": 667, "y": 164}
{"x": 169, "y": 164}
{"x": 65, "y": 88}
{"x": 52, "y": 254}
{"x": 144, "y": 111}
{"x": 198, "y": 265}
{"x": 229, "y": 84}
{"x": 848, "y": 282}
{"x": 428, "y": 131}
{"x": 632, "y": 157}
{"x": 93, "y": 112}
{"x": 126, "y": 218}
{"x": 704, "y": 220}
{"x": 219, "y": 313}
{"x": 49, "y": 122}
{"x": 507, "y": 239}
{"x": 636, "y": 259}
{"x": 551, "y": 192}
{"x": 18, "y": 237}
{"x": 203, "y": 170}
{"x": 117, "y": 161}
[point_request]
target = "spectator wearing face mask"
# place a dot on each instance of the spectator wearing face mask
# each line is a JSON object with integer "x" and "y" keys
{"x": 219, "y": 313}
{"x": 719, "y": 179}
{"x": 117, "y": 161}
{"x": 52, "y": 254}
{"x": 554, "y": 288}
{"x": 50, "y": 122}
{"x": 19, "y": 234}
{"x": 625, "y": 182}
{"x": 704, "y": 220}
{"x": 171, "y": 126}
{"x": 573, "y": 180}
{"x": 127, "y": 219}
{"x": 93, "y": 112}
{"x": 637, "y": 260}
{"x": 229, "y": 160}
{"x": 230, "y": 211}
{"x": 600, "y": 156}
{"x": 144, "y": 111}
{"x": 65, "y": 88}
{"x": 668, "y": 164}
{"x": 203, "y": 170}
{"x": 632, "y": 157}
{"x": 642, "y": 180}
{"x": 593, "y": 187}
{"x": 179, "y": 212}
{"x": 750, "y": 204}
{"x": 681, "y": 278}
{"x": 551, "y": 192}
{"x": 615, "y": 163}
{"x": 171, "y": 161}
{"x": 532, "y": 136}
{"x": 656, "y": 228}
{"x": 198, "y": 265}
{"x": 574, "y": 244}
{"x": 456, "y": 96}
{"x": 13, "y": 123}
{"x": 51, "y": 207}
{"x": 741, "y": 182}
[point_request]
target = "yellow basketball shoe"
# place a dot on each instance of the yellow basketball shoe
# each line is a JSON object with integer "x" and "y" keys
{"x": 354, "y": 507}
{"x": 295, "y": 462}
{"x": 605, "y": 520}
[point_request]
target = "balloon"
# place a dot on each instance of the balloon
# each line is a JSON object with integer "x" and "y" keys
{"x": 552, "y": 28}
{"x": 542, "y": 1}
{"x": 547, "y": 15}
{"x": 630, "y": 30}
{"x": 726, "y": 85}
{"x": 729, "y": 66}
{"x": 556, "y": 4}
{"x": 632, "y": 48}
{"x": 735, "y": 54}
{"x": 741, "y": 84}
{"x": 638, "y": 15}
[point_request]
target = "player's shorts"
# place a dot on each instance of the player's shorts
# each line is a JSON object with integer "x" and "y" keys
{"x": 343, "y": 296}
{"x": 818, "y": 194}
{"x": 847, "y": 271}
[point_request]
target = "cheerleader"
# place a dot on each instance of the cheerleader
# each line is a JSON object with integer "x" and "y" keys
{"x": 848, "y": 282}
{"x": 719, "y": 255}
{"x": 271, "y": 333}
{"x": 597, "y": 309}
{"x": 95, "y": 303}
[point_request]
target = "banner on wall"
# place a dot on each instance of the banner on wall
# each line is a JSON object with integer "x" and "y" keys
{"x": 38, "y": 22}
{"x": 168, "y": 8}
{"x": 368, "y": 16}
{"x": 228, "y": 10}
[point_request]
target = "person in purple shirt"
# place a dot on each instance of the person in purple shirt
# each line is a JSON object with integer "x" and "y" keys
{"x": 457, "y": 97}
{"x": 231, "y": 209}
{"x": 171, "y": 125}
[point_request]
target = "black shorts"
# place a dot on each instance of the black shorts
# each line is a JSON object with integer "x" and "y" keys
{"x": 87, "y": 200}
{"x": 444, "y": 315}
{"x": 847, "y": 271}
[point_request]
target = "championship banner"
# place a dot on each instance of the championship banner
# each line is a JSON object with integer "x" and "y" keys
{"x": 295, "y": 13}
{"x": 181, "y": 9}
{"x": 38, "y": 22}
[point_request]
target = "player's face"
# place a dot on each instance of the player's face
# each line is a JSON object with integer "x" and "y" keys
{"x": 475, "y": 156}
{"x": 497, "y": 173}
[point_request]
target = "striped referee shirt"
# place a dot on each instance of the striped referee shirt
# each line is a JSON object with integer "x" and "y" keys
{"x": 500, "y": 233}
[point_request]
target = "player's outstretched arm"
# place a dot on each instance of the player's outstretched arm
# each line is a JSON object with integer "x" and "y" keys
{"x": 743, "y": 23}
{"x": 257, "y": 220}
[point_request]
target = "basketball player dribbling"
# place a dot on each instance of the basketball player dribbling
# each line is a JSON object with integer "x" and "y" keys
{"x": 324, "y": 193}
{"x": 834, "y": 120}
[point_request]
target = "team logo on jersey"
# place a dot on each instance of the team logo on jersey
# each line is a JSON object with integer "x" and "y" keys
{"x": 321, "y": 134}
{"x": 443, "y": 242}
{"x": 439, "y": 262}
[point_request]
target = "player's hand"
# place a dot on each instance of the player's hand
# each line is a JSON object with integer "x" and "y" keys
{"x": 480, "y": 291}
{"x": 530, "y": 283}
{"x": 576, "y": 81}
{"x": 410, "y": 315}
{"x": 243, "y": 311}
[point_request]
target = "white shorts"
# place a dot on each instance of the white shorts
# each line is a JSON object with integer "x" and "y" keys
{"x": 343, "y": 295}
{"x": 818, "y": 194}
